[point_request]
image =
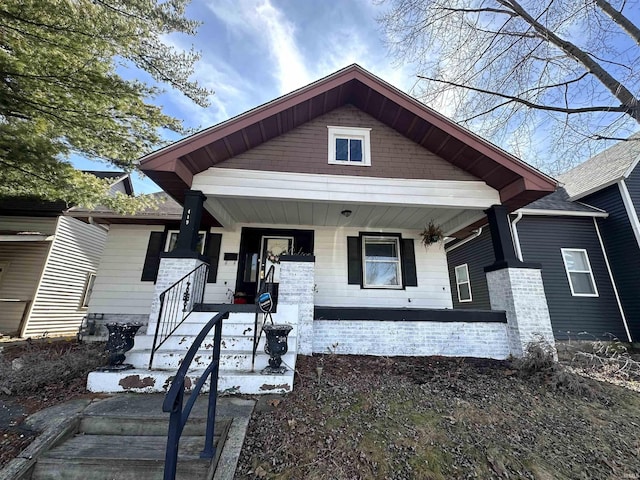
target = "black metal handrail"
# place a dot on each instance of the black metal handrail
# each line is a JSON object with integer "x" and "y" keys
{"x": 177, "y": 303}
{"x": 267, "y": 285}
{"x": 174, "y": 400}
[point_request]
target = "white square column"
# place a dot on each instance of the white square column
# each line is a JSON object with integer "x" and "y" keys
{"x": 296, "y": 287}
{"x": 520, "y": 293}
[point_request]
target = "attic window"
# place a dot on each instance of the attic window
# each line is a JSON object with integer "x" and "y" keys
{"x": 349, "y": 146}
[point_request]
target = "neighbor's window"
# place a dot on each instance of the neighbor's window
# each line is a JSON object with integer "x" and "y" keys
{"x": 463, "y": 283}
{"x": 88, "y": 289}
{"x": 349, "y": 146}
{"x": 172, "y": 239}
{"x": 381, "y": 262}
{"x": 579, "y": 273}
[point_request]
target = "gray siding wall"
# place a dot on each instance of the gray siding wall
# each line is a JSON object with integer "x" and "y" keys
{"x": 633, "y": 185}
{"x": 622, "y": 250}
{"x": 477, "y": 254}
{"x": 541, "y": 240}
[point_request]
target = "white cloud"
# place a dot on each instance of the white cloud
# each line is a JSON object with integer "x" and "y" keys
{"x": 270, "y": 31}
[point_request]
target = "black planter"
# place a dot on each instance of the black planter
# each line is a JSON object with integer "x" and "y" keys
{"x": 120, "y": 341}
{"x": 276, "y": 346}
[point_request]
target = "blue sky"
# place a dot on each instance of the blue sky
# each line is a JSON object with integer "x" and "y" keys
{"x": 256, "y": 50}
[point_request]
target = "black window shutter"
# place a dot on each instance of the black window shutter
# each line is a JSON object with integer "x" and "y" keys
{"x": 212, "y": 252}
{"x": 354, "y": 255}
{"x": 152, "y": 259}
{"x": 409, "y": 263}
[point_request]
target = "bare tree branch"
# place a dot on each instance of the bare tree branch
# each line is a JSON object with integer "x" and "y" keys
{"x": 552, "y": 108}
{"x": 617, "y": 16}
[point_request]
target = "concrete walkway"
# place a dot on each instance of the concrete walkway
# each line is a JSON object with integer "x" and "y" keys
{"x": 135, "y": 406}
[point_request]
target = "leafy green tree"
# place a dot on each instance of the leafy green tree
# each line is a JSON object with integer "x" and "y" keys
{"x": 62, "y": 92}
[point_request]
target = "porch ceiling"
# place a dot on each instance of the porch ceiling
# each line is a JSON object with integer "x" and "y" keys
{"x": 279, "y": 212}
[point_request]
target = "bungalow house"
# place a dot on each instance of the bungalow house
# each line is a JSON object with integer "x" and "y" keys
{"x": 337, "y": 179}
{"x": 586, "y": 236}
{"x": 48, "y": 263}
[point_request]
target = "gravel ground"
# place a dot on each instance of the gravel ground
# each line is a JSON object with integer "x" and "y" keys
{"x": 442, "y": 418}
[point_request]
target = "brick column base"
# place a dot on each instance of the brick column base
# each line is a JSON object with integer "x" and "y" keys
{"x": 170, "y": 271}
{"x": 296, "y": 287}
{"x": 520, "y": 293}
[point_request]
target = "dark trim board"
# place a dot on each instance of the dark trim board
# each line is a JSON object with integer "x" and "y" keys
{"x": 229, "y": 307}
{"x": 409, "y": 315}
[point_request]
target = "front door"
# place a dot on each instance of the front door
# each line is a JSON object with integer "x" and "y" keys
{"x": 258, "y": 246}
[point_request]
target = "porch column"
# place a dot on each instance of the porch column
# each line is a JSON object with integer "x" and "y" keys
{"x": 184, "y": 258}
{"x": 189, "y": 225}
{"x": 516, "y": 287}
{"x": 296, "y": 287}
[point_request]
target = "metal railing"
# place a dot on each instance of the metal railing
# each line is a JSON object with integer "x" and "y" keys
{"x": 267, "y": 285}
{"x": 174, "y": 401}
{"x": 177, "y": 303}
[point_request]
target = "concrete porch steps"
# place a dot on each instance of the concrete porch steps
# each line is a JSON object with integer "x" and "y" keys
{"x": 152, "y": 381}
{"x": 128, "y": 447}
{"x": 235, "y": 359}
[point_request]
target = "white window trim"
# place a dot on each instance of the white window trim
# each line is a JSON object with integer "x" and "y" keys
{"x": 358, "y": 133}
{"x": 468, "y": 282}
{"x": 86, "y": 296}
{"x": 168, "y": 240}
{"x": 590, "y": 272}
{"x": 400, "y": 285}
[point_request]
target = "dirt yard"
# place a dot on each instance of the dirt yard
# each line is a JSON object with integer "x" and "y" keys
{"x": 441, "y": 418}
{"x": 35, "y": 375}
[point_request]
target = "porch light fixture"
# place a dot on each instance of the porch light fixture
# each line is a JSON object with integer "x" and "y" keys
{"x": 346, "y": 213}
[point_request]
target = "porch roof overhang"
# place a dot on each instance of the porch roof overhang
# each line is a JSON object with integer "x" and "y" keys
{"x": 261, "y": 197}
{"x": 174, "y": 167}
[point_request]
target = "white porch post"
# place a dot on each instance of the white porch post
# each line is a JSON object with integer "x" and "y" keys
{"x": 296, "y": 287}
{"x": 516, "y": 287}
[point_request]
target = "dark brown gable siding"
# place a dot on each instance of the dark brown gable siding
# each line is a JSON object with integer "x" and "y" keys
{"x": 304, "y": 150}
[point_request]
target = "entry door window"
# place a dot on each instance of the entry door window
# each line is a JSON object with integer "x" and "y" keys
{"x": 274, "y": 247}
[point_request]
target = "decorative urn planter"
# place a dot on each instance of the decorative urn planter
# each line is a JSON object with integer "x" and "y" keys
{"x": 120, "y": 341}
{"x": 275, "y": 347}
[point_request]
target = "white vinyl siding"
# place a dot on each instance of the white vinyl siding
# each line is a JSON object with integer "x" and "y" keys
{"x": 75, "y": 252}
{"x": 463, "y": 284}
{"x": 24, "y": 263}
{"x": 118, "y": 288}
{"x": 579, "y": 273}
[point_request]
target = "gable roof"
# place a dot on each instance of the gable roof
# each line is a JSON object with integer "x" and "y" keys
{"x": 166, "y": 210}
{"x": 603, "y": 169}
{"x": 174, "y": 166}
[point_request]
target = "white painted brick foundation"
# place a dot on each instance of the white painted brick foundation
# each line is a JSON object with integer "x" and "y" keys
{"x": 520, "y": 293}
{"x": 170, "y": 271}
{"x": 358, "y": 337}
{"x": 296, "y": 288}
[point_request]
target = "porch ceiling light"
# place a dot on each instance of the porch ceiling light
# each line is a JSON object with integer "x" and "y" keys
{"x": 346, "y": 213}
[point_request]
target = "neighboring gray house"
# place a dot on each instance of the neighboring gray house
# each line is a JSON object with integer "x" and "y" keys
{"x": 48, "y": 263}
{"x": 586, "y": 235}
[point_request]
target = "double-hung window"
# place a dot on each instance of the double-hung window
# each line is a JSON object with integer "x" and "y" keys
{"x": 381, "y": 262}
{"x": 463, "y": 283}
{"x": 349, "y": 146}
{"x": 579, "y": 273}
